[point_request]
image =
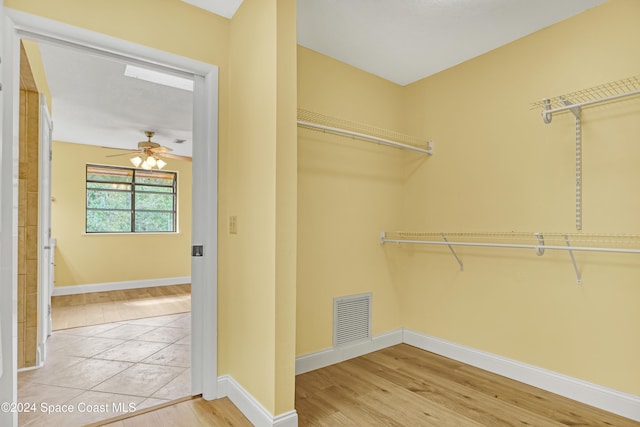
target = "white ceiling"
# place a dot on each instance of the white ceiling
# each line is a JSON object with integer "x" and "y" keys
{"x": 226, "y": 8}
{"x": 94, "y": 103}
{"x": 407, "y": 40}
{"x": 398, "y": 40}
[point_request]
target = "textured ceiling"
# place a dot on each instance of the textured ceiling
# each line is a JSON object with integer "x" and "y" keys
{"x": 94, "y": 103}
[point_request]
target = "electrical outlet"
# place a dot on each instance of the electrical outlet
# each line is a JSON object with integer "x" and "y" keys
{"x": 233, "y": 224}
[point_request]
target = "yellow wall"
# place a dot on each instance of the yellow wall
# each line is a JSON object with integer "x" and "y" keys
{"x": 498, "y": 167}
{"x": 286, "y": 206}
{"x": 37, "y": 68}
{"x": 260, "y": 103}
{"x": 258, "y": 305}
{"x": 348, "y": 191}
{"x": 99, "y": 258}
{"x": 170, "y": 25}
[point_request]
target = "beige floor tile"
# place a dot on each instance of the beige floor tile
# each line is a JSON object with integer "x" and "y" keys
{"x": 164, "y": 334}
{"x": 174, "y": 355}
{"x": 126, "y": 332}
{"x": 89, "y": 330}
{"x": 155, "y": 321}
{"x": 54, "y": 363}
{"x": 183, "y": 322}
{"x": 131, "y": 351}
{"x": 177, "y": 388}
{"x": 88, "y": 407}
{"x": 58, "y": 341}
{"x": 185, "y": 341}
{"x": 109, "y": 404}
{"x": 151, "y": 401}
{"x": 86, "y": 374}
{"x": 140, "y": 379}
{"x": 97, "y": 365}
{"x": 88, "y": 346}
{"x": 41, "y": 394}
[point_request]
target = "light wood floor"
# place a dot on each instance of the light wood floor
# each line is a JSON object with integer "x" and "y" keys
{"x": 406, "y": 386}
{"x": 400, "y": 386}
{"x": 397, "y": 386}
{"x": 71, "y": 311}
{"x": 191, "y": 413}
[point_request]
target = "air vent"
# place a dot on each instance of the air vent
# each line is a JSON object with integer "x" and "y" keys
{"x": 351, "y": 319}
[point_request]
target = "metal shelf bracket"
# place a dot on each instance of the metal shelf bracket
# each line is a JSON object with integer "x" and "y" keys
{"x": 444, "y": 237}
{"x": 573, "y": 260}
{"x": 540, "y": 249}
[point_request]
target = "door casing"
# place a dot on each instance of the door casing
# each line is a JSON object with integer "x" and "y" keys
{"x": 19, "y": 25}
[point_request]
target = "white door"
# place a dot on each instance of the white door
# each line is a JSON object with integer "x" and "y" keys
{"x": 46, "y": 248}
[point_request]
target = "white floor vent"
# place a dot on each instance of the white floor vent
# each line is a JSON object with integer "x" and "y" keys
{"x": 351, "y": 319}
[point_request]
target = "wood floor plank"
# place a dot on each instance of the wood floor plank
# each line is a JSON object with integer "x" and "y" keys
{"x": 403, "y": 385}
{"x": 517, "y": 394}
{"x": 193, "y": 412}
{"x": 454, "y": 400}
{"x": 550, "y": 405}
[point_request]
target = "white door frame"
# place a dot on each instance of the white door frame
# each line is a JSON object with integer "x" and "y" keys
{"x": 205, "y": 172}
{"x": 9, "y": 97}
{"x": 44, "y": 230}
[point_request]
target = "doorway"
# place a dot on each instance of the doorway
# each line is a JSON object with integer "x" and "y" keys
{"x": 204, "y": 222}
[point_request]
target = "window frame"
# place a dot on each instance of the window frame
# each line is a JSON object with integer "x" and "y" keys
{"x": 133, "y": 172}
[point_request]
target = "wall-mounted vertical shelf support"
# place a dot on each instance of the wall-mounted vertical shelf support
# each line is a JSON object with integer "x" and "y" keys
{"x": 574, "y": 102}
{"x": 576, "y": 112}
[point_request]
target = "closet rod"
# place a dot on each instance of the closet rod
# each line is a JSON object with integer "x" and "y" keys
{"x": 539, "y": 248}
{"x": 364, "y": 137}
{"x": 509, "y": 245}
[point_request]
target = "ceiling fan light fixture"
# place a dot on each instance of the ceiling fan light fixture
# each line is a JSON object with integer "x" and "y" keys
{"x": 160, "y": 163}
{"x": 145, "y": 165}
{"x": 137, "y": 160}
{"x": 151, "y": 161}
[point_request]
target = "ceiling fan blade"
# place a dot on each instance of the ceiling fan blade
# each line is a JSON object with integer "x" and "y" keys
{"x": 160, "y": 149}
{"x": 118, "y": 148}
{"x": 127, "y": 153}
{"x": 174, "y": 156}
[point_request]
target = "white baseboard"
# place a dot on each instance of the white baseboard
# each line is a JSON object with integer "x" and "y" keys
{"x": 251, "y": 408}
{"x": 322, "y": 358}
{"x": 119, "y": 286}
{"x": 624, "y": 404}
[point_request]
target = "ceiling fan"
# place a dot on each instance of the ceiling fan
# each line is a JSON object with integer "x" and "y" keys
{"x": 149, "y": 153}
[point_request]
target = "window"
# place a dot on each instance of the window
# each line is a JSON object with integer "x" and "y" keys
{"x": 124, "y": 200}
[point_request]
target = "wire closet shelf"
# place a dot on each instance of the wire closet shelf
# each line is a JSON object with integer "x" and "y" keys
{"x": 574, "y": 102}
{"x": 535, "y": 241}
{"x": 365, "y": 132}
{"x": 602, "y": 93}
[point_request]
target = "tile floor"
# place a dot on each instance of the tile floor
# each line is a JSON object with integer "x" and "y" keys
{"x": 104, "y": 370}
